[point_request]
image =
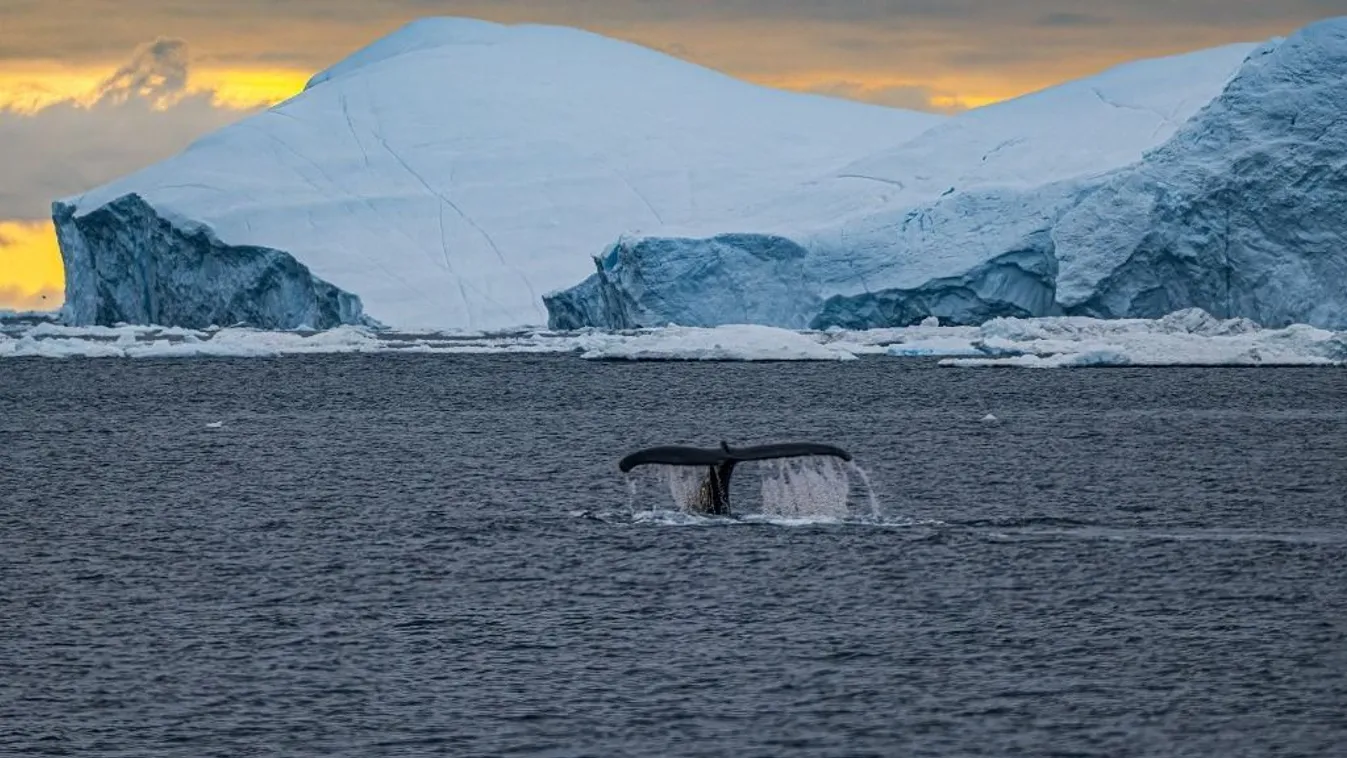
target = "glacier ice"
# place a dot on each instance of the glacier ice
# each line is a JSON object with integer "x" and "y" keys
{"x": 1240, "y": 213}
{"x": 1231, "y": 203}
{"x": 760, "y": 277}
{"x": 192, "y": 279}
{"x": 445, "y": 177}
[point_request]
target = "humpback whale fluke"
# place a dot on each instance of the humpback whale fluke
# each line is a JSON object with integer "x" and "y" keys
{"x": 713, "y": 498}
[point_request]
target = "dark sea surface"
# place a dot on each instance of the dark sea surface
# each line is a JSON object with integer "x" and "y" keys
{"x": 404, "y": 555}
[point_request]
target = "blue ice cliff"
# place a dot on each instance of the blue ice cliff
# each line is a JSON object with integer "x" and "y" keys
{"x": 1240, "y": 212}
{"x": 126, "y": 263}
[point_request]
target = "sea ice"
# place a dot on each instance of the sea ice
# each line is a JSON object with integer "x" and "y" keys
{"x": 1189, "y": 337}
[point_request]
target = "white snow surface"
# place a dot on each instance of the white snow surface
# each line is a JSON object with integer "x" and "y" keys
{"x": 1210, "y": 180}
{"x": 1079, "y": 129}
{"x": 1190, "y": 337}
{"x": 452, "y": 173}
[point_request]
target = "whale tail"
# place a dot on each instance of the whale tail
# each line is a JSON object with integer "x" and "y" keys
{"x": 713, "y": 496}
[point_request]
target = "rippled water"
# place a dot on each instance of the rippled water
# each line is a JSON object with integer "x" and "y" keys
{"x": 401, "y": 555}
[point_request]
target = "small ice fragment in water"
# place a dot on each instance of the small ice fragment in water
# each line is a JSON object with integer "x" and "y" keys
{"x": 215, "y": 425}
{"x": 930, "y": 321}
{"x": 990, "y": 420}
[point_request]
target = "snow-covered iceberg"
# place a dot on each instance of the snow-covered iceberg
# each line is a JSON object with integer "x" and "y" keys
{"x": 446, "y": 176}
{"x": 1211, "y": 180}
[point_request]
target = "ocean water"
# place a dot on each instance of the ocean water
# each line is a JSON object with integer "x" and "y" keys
{"x": 405, "y": 555}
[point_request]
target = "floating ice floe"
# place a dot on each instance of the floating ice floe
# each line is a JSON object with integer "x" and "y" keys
{"x": 739, "y": 342}
{"x": 446, "y": 176}
{"x": 1189, "y": 337}
{"x": 729, "y": 343}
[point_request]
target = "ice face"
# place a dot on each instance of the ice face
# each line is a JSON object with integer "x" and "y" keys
{"x": 744, "y": 278}
{"x": 1240, "y": 213}
{"x": 126, "y": 264}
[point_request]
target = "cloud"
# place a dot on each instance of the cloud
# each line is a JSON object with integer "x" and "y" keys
{"x": 142, "y": 113}
{"x": 157, "y": 73}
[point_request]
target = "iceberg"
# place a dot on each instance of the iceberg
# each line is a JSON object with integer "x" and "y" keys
{"x": 445, "y": 177}
{"x": 1211, "y": 180}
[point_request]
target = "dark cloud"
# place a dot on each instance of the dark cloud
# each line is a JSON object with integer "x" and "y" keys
{"x": 156, "y": 72}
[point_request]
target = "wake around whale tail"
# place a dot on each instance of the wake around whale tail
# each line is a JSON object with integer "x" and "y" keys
{"x": 713, "y": 497}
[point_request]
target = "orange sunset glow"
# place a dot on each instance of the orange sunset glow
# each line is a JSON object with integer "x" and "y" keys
{"x": 32, "y": 277}
{"x": 31, "y": 273}
{"x": 29, "y": 89}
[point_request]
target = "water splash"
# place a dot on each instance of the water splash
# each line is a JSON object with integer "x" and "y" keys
{"x": 684, "y": 484}
{"x": 805, "y": 488}
{"x": 811, "y": 489}
{"x": 861, "y": 474}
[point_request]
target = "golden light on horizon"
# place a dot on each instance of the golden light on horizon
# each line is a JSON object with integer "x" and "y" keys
{"x": 30, "y": 88}
{"x": 249, "y": 88}
{"x": 31, "y": 274}
{"x": 942, "y": 93}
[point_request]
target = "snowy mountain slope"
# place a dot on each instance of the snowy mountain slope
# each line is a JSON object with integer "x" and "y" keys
{"x": 1237, "y": 212}
{"x": 447, "y": 176}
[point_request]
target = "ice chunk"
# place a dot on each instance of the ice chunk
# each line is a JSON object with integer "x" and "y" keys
{"x": 1186, "y": 338}
{"x": 739, "y": 342}
{"x": 1183, "y": 338}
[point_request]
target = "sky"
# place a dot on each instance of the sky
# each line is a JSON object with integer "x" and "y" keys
{"x": 108, "y": 86}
